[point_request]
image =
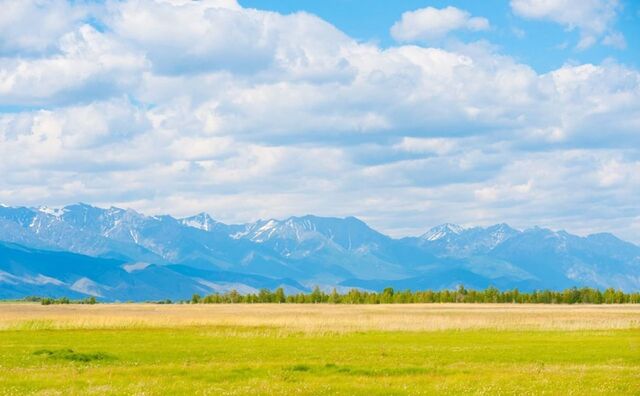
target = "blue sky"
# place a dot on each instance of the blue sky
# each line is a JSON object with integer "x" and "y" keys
{"x": 406, "y": 114}
{"x": 544, "y": 45}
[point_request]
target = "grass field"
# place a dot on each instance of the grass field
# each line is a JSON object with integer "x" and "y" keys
{"x": 319, "y": 349}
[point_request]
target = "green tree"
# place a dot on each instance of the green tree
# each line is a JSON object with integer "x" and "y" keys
{"x": 279, "y": 296}
{"x": 264, "y": 296}
{"x": 316, "y": 295}
{"x": 387, "y": 296}
{"x": 334, "y": 297}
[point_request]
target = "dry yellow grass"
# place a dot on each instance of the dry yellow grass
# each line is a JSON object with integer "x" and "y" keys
{"x": 319, "y": 349}
{"x": 323, "y": 318}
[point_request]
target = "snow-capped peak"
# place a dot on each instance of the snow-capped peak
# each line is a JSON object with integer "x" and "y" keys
{"x": 442, "y": 231}
{"x": 265, "y": 231}
{"x": 51, "y": 211}
{"x": 292, "y": 228}
{"x": 201, "y": 221}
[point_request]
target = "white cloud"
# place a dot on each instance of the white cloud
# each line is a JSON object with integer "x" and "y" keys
{"x": 32, "y": 26}
{"x": 88, "y": 63}
{"x": 248, "y": 114}
{"x": 616, "y": 40}
{"x": 432, "y": 23}
{"x": 438, "y": 146}
{"x": 205, "y": 35}
{"x": 594, "y": 19}
{"x": 214, "y": 35}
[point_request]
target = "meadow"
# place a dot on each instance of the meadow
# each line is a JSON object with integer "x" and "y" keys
{"x": 290, "y": 349}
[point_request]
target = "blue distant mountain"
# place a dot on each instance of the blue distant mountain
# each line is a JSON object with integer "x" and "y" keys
{"x": 118, "y": 254}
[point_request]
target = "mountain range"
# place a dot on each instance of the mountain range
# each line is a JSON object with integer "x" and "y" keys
{"x": 117, "y": 255}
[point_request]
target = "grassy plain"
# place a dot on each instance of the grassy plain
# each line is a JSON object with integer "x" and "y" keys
{"x": 319, "y": 349}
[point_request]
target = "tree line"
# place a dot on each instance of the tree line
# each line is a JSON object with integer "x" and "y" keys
{"x": 60, "y": 300}
{"x": 574, "y": 295}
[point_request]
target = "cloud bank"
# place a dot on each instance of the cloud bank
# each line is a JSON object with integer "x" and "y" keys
{"x": 432, "y": 23}
{"x": 180, "y": 107}
{"x": 592, "y": 18}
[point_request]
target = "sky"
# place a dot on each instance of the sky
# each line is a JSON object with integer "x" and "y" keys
{"x": 406, "y": 114}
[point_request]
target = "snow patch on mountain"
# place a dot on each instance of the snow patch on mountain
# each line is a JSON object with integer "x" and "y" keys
{"x": 201, "y": 221}
{"x": 39, "y": 279}
{"x": 55, "y": 212}
{"x": 87, "y": 286}
{"x": 442, "y": 231}
{"x": 45, "y": 280}
{"x": 6, "y": 277}
{"x": 133, "y": 267}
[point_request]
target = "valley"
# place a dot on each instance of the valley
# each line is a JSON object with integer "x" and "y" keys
{"x": 112, "y": 349}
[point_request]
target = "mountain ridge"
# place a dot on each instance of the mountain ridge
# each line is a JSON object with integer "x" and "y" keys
{"x": 302, "y": 251}
{"x": 59, "y": 211}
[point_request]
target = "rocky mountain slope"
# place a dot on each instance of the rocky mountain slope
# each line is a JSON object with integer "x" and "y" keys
{"x": 122, "y": 254}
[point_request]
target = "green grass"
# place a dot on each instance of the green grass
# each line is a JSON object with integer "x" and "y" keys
{"x": 230, "y": 360}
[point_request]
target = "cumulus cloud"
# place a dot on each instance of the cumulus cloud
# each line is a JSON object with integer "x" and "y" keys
{"x": 246, "y": 113}
{"x": 183, "y": 37}
{"x": 594, "y": 19}
{"x": 88, "y": 64}
{"x": 432, "y": 23}
{"x": 29, "y": 27}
